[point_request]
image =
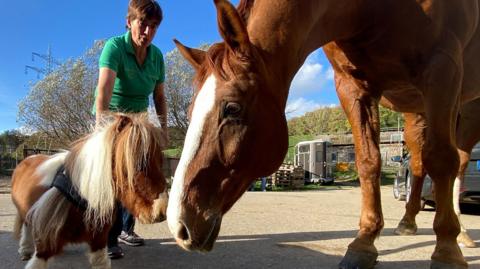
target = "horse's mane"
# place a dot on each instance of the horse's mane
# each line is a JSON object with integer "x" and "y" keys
{"x": 219, "y": 58}
{"x": 93, "y": 159}
{"x": 244, "y": 8}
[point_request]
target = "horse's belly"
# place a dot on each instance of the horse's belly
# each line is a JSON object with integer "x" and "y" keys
{"x": 402, "y": 98}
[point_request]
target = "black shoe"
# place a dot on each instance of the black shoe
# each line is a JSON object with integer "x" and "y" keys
{"x": 115, "y": 252}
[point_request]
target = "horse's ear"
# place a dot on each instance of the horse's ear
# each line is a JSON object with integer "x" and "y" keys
{"x": 122, "y": 122}
{"x": 232, "y": 28}
{"x": 193, "y": 56}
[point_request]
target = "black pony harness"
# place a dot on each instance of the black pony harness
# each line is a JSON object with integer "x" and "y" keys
{"x": 63, "y": 183}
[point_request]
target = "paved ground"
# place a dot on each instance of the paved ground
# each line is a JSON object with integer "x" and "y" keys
{"x": 270, "y": 230}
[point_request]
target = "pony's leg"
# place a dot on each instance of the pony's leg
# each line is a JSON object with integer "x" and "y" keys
{"x": 99, "y": 259}
{"x": 98, "y": 256}
{"x": 442, "y": 83}
{"x": 362, "y": 112}
{"x": 415, "y": 138}
{"x": 36, "y": 262}
{"x": 26, "y": 248}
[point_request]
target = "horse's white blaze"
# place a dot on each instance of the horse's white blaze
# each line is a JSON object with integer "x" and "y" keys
{"x": 203, "y": 105}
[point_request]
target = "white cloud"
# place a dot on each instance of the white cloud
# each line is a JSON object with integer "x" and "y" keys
{"x": 312, "y": 76}
{"x": 300, "y": 106}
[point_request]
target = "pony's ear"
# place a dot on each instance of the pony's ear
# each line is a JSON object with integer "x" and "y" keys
{"x": 122, "y": 122}
{"x": 193, "y": 56}
{"x": 232, "y": 28}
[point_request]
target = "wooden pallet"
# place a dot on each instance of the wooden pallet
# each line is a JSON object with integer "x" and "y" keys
{"x": 289, "y": 176}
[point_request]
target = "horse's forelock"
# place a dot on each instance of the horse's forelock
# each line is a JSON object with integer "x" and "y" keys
{"x": 221, "y": 62}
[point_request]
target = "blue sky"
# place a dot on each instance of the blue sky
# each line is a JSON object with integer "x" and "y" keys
{"x": 70, "y": 27}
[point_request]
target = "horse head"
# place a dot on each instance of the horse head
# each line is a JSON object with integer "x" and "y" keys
{"x": 137, "y": 168}
{"x": 235, "y": 109}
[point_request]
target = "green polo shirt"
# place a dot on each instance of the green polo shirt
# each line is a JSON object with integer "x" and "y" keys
{"x": 133, "y": 83}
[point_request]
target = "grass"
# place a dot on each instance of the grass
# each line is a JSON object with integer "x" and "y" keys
{"x": 173, "y": 153}
{"x": 347, "y": 178}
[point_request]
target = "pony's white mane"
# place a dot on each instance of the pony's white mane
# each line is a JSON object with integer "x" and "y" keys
{"x": 92, "y": 175}
{"x": 48, "y": 169}
{"x": 92, "y": 167}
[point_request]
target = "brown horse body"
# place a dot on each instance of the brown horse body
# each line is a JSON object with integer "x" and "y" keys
{"x": 121, "y": 161}
{"x": 416, "y": 57}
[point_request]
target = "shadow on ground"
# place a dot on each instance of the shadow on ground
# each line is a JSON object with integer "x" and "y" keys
{"x": 287, "y": 250}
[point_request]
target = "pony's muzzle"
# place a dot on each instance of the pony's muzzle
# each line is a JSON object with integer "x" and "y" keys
{"x": 158, "y": 211}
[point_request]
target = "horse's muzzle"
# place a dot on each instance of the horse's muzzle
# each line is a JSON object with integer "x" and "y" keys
{"x": 200, "y": 237}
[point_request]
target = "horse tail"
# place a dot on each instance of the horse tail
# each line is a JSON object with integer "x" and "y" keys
{"x": 17, "y": 226}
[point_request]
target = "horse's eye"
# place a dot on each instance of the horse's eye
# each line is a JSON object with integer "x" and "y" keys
{"x": 232, "y": 109}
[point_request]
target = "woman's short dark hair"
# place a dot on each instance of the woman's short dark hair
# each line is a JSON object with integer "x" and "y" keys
{"x": 145, "y": 10}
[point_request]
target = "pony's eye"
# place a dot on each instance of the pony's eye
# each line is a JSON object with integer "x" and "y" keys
{"x": 232, "y": 109}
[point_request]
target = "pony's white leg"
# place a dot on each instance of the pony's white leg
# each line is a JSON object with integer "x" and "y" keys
{"x": 36, "y": 263}
{"x": 26, "y": 247}
{"x": 463, "y": 239}
{"x": 99, "y": 259}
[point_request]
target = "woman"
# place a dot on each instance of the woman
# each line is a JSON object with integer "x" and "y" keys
{"x": 131, "y": 69}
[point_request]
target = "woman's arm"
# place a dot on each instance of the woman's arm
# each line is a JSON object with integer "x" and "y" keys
{"x": 106, "y": 80}
{"x": 161, "y": 107}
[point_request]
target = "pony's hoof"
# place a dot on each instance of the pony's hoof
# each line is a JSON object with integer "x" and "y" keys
{"x": 25, "y": 257}
{"x": 441, "y": 265}
{"x": 358, "y": 260}
{"x": 464, "y": 240}
{"x": 405, "y": 228}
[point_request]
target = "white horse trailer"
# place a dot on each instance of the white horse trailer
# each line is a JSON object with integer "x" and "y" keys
{"x": 316, "y": 159}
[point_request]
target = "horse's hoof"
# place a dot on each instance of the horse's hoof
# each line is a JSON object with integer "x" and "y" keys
{"x": 464, "y": 240}
{"x": 441, "y": 265}
{"x": 358, "y": 260}
{"x": 405, "y": 228}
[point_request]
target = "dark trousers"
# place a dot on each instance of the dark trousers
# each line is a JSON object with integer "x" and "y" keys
{"x": 124, "y": 221}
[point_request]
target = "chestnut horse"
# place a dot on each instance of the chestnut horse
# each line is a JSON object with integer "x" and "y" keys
{"x": 414, "y": 56}
{"x": 467, "y": 136}
{"x": 121, "y": 161}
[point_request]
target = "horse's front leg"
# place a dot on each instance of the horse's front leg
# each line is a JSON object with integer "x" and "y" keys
{"x": 362, "y": 112}
{"x": 415, "y": 138}
{"x": 441, "y": 96}
{"x": 468, "y": 134}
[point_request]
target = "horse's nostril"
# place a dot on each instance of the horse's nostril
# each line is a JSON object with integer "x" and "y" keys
{"x": 183, "y": 233}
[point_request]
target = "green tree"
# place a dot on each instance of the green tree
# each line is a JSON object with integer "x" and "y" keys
{"x": 331, "y": 120}
{"x": 58, "y": 105}
{"x": 178, "y": 91}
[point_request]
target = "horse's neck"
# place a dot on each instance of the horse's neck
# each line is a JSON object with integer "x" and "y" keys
{"x": 288, "y": 31}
